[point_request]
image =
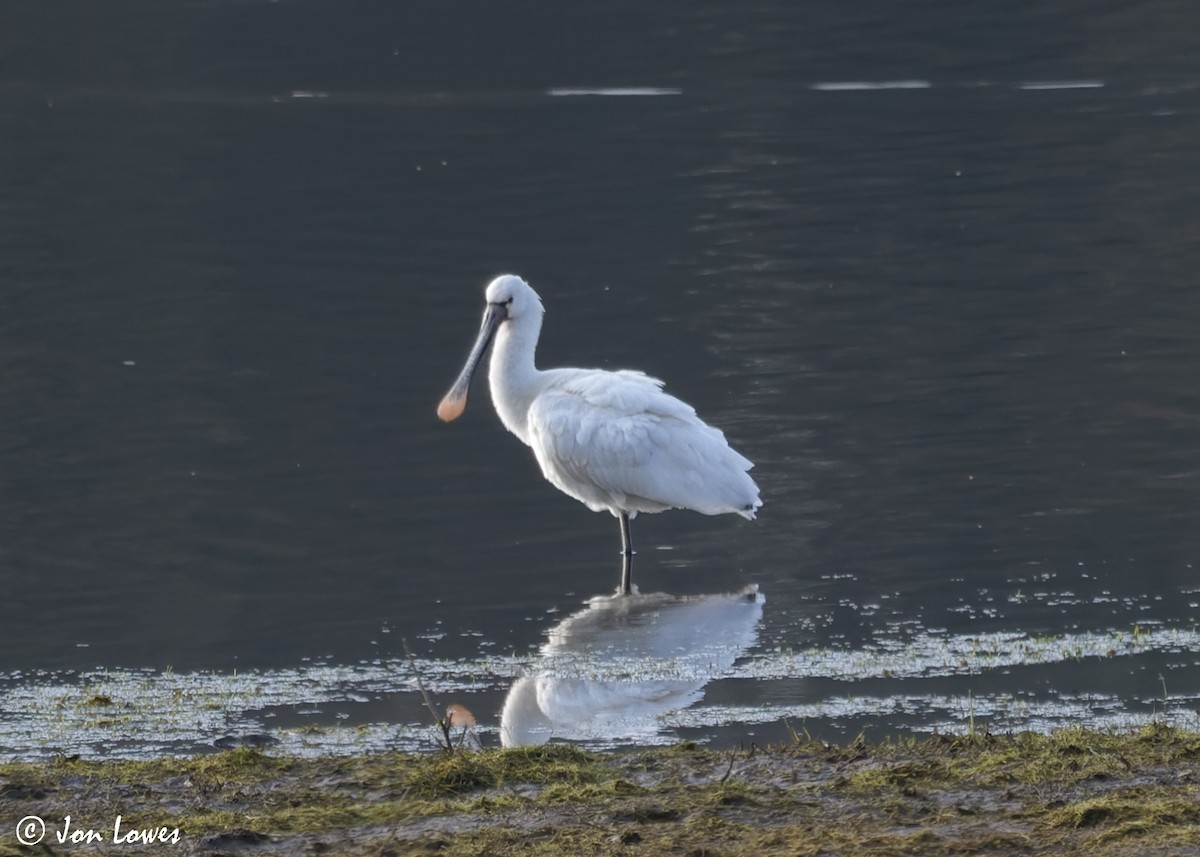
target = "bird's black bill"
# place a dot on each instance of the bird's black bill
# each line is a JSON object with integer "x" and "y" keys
{"x": 455, "y": 401}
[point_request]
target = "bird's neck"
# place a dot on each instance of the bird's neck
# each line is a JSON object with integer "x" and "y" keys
{"x": 512, "y": 375}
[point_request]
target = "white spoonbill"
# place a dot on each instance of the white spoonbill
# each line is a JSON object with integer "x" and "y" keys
{"x": 612, "y": 440}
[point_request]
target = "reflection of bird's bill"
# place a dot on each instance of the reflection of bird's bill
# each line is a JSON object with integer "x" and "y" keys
{"x": 460, "y": 715}
{"x": 455, "y": 401}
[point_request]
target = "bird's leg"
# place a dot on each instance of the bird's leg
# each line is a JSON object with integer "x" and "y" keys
{"x": 626, "y": 558}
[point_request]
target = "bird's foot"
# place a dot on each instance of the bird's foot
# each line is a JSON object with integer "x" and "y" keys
{"x": 622, "y": 591}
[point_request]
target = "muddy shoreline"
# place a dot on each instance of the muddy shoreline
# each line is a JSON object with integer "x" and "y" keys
{"x": 1072, "y": 792}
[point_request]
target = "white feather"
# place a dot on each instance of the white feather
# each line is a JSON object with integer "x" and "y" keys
{"x": 617, "y": 442}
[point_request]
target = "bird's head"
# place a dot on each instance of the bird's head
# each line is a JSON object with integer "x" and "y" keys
{"x": 509, "y": 299}
{"x": 514, "y": 294}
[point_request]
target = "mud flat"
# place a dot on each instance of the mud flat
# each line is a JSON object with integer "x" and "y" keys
{"x": 1074, "y": 792}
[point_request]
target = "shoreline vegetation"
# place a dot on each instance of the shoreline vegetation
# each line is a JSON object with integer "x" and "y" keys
{"x": 1073, "y": 792}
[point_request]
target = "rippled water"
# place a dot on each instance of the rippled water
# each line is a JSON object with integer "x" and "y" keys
{"x": 933, "y": 272}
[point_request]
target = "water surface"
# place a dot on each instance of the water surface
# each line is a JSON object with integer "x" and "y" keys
{"x": 933, "y": 272}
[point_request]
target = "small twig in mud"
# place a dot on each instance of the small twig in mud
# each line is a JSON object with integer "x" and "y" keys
{"x": 733, "y": 757}
{"x": 796, "y": 736}
{"x": 728, "y": 771}
{"x": 443, "y": 723}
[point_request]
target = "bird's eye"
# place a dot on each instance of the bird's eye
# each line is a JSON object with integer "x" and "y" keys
{"x": 508, "y": 302}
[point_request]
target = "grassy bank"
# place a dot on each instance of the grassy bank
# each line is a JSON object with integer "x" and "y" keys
{"x": 1073, "y": 792}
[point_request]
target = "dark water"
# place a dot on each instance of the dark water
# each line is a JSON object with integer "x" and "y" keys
{"x": 931, "y": 266}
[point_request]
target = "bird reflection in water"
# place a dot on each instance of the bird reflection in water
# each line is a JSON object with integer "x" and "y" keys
{"x": 612, "y": 670}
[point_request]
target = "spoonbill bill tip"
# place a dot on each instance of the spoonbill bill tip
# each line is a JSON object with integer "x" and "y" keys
{"x": 451, "y": 407}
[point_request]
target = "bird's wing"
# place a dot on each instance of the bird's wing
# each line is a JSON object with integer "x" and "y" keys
{"x": 624, "y": 392}
{"x": 618, "y": 436}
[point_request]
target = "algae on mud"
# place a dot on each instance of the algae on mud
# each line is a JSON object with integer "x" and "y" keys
{"x": 1073, "y": 792}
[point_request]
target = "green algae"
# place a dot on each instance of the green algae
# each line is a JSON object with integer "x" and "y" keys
{"x": 1072, "y": 792}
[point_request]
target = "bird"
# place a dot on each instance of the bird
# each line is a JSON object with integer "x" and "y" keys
{"x": 614, "y": 440}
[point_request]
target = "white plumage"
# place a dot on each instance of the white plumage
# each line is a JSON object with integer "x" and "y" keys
{"x": 612, "y": 440}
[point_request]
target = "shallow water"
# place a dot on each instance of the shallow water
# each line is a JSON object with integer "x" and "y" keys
{"x": 637, "y": 688}
{"x": 933, "y": 273}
